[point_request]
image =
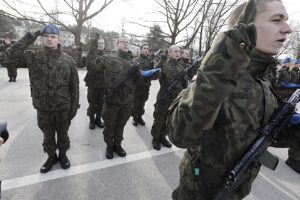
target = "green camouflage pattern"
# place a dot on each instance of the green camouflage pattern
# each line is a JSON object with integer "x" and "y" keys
{"x": 115, "y": 68}
{"x": 217, "y": 118}
{"x": 94, "y": 80}
{"x": 54, "y": 85}
{"x": 51, "y": 123}
{"x": 295, "y": 75}
{"x": 53, "y": 76}
{"x": 116, "y": 110}
{"x": 115, "y": 118}
{"x": 141, "y": 92}
{"x": 168, "y": 73}
{"x": 283, "y": 75}
{"x": 12, "y": 71}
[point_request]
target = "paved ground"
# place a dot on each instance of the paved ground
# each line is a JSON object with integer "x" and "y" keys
{"x": 144, "y": 174}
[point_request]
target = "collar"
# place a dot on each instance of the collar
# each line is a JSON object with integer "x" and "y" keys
{"x": 261, "y": 63}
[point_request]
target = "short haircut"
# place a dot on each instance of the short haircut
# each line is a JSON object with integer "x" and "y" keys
{"x": 260, "y": 6}
{"x": 143, "y": 45}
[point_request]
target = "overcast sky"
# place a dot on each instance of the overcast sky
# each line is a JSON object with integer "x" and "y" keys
{"x": 126, "y": 11}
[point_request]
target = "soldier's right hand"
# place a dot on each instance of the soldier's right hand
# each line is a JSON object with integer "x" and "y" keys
{"x": 245, "y": 35}
{"x": 95, "y": 36}
{"x": 37, "y": 33}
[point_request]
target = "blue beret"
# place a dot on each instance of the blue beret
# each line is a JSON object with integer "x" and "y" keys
{"x": 286, "y": 60}
{"x": 50, "y": 29}
{"x": 297, "y": 61}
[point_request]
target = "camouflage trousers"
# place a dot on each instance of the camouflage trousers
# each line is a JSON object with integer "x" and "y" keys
{"x": 12, "y": 72}
{"x": 159, "y": 128}
{"x": 206, "y": 184}
{"x": 141, "y": 94}
{"x": 54, "y": 122}
{"x": 95, "y": 97}
{"x": 115, "y": 118}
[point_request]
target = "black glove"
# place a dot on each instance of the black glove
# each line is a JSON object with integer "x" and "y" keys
{"x": 245, "y": 35}
{"x": 95, "y": 36}
{"x": 37, "y": 33}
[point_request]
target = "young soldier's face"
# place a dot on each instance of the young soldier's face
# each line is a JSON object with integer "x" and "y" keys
{"x": 145, "y": 50}
{"x": 185, "y": 54}
{"x": 272, "y": 28}
{"x": 174, "y": 53}
{"x": 123, "y": 44}
{"x": 101, "y": 45}
{"x": 50, "y": 40}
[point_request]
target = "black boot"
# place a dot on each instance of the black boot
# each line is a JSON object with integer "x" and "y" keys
{"x": 64, "y": 161}
{"x": 156, "y": 144}
{"x": 92, "y": 122}
{"x": 165, "y": 142}
{"x": 52, "y": 160}
{"x": 294, "y": 164}
{"x": 135, "y": 121}
{"x": 140, "y": 120}
{"x": 119, "y": 150}
{"x": 109, "y": 152}
{"x": 10, "y": 80}
{"x": 98, "y": 122}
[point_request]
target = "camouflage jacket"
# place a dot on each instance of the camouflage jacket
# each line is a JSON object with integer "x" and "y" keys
{"x": 186, "y": 63}
{"x": 294, "y": 75}
{"x": 95, "y": 75}
{"x": 53, "y": 76}
{"x": 218, "y": 115}
{"x": 283, "y": 75}
{"x": 116, "y": 69}
{"x": 145, "y": 66}
{"x": 169, "y": 71}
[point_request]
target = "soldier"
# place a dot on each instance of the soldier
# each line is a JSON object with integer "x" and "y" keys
{"x": 186, "y": 61}
{"x": 141, "y": 91}
{"x": 216, "y": 118}
{"x": 11, "y": 66}
{"x": 118, "y": 102}
{"x": 95, "y": 82}
{"x": 54, "y": 90}
{"x": 170, "y": 70}
{"x": 295, "y": 72}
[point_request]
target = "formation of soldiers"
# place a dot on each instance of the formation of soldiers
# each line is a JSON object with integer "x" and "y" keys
{"x": 218, "y": 104}
{"x": 117, "y": 90}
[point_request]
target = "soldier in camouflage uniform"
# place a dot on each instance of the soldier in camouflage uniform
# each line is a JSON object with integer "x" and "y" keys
{"x": 216, "y": 118}
{"x": 54, "y": 87}
{"x": 141, "y": 91}
{"x": 170, "y": 70}
{"x": 95, "y": 82}
{"x": 118, "y": 102}
{"x": 11, "y": 66}
{"x": 185, "y": 59}
{"x": 294, "y": 71}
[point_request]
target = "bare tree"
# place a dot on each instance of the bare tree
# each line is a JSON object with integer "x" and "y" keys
{"x": 179, "y": 14}
{"x": 80, "y": 10}
{"x": 217, "y": 14}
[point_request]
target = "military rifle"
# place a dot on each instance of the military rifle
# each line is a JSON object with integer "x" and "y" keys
{"x": 257, "y": 154}
{"x": 179, "y": 77}
{"x": 131, "y": 75}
